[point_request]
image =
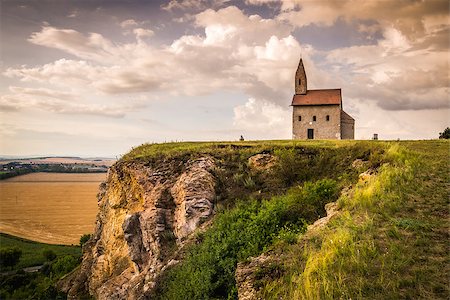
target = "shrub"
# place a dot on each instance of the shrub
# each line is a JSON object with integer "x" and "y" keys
{"x": 9, "y": 257}
{"x": 84, "y": 238}
{"x": 64, "y": 265}
{"x": 445, "y": 134}
{"x": 49, "y": 255}
{"x": 247, "y": 230}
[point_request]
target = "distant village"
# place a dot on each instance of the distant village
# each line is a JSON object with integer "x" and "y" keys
{"x": 10, "y": 168}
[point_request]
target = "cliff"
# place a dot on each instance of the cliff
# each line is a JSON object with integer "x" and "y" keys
{"x": 145, "y": 213}
{"x": 156, "y": 198}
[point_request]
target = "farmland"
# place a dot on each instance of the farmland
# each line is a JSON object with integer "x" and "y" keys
{"x": 55, "y": 208}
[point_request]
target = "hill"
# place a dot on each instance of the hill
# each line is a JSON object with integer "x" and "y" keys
{"x": 229, "y": 220}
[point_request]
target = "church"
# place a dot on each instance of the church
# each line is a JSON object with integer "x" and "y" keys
{"x": 318, "y": 114}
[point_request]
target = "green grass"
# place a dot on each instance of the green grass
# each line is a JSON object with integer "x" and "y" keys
{"x": 390, "y": 240}
{"x": 149, "y": 151}
{"x": 32, "y": 251}
{"x": 244, "y": 231}
{"x": 257, "y": 210}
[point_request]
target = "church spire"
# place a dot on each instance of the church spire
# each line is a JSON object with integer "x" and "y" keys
{"x": 300, "y": 79}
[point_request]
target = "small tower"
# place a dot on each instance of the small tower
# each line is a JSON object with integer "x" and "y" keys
{"x": 300, "y": 79}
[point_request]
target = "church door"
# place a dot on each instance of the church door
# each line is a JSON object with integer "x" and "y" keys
{"x": 310, "y": 134}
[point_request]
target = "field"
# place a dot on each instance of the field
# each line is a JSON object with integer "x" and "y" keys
{"x": 54, "y": 208}
{"x": 32, "y": 251}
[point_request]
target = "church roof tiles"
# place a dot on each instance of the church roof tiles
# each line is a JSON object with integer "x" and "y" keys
{"x": 319, "y": 97}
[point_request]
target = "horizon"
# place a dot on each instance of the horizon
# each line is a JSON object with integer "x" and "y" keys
{"x": 97, "y": 78}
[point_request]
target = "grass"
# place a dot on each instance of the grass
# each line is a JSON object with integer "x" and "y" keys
{"x": 149, "y": 151}
{"x": 244, "y": 231}
{"x": 390, "y": 240}
{"x": 32, "y": 251}
{"x": 270, "y": 207}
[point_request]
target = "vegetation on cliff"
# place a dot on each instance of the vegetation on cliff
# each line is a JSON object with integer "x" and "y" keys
{"x": 52, "y": 261}
{"x": 258, "y": 209}
{"x": 386, "y": 239}
{"x": 389, "y": 241}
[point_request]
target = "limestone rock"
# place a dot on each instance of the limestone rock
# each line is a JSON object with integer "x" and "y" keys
{"x": 246, "y": 275}
{"x": 144, "y": 212}
{"x": 262, "y": 161}
{"x": 360, "y": 164}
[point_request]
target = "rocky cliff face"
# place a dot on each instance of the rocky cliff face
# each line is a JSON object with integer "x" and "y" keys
{"x": 146, "y": 210}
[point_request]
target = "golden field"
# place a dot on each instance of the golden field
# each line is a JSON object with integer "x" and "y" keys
{"x": 55, "y": 208}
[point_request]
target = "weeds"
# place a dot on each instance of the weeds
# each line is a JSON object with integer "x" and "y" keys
{"x": 382, "y": 245}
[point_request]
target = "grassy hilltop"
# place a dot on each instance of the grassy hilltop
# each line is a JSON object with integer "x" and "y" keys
{"x": 388, "y": 241}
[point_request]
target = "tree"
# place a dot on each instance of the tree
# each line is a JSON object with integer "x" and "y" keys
{"x": 9, "y": 257}
{"x": 49, "y": 255}
{"x": 84, "y": 238}
{"x": 445, "y": 134}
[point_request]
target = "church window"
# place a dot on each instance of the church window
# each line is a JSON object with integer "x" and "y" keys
{"x": 328, "y": 118}
{"x": 299, "y": 118}
{"x": 299, "y": 81}
{"x": 314, "y": 118}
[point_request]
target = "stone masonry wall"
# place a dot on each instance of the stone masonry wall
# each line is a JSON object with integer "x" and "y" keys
{"x": 347, "y": 128}
{"x": 323, "y": 129}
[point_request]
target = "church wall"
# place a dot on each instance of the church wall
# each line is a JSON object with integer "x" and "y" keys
{"x": 323, "y": 129}
{"x": 347, "y": 128}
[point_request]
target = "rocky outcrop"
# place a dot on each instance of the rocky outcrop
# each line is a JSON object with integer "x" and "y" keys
{"x": 145, "y": 212}
{"x": 249, "y": 272}
{"x": 262, "y": 161}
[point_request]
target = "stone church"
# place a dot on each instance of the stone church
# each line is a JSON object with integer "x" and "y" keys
{"x": 318, "y": 114}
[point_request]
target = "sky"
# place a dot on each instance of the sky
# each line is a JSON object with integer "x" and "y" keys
{"x": 96, "y": 78}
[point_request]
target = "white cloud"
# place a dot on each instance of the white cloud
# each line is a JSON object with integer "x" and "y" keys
{"x": 143, "y": 33}
{"x": 93, "y": 47}
{"x": 394, "y": 74}
{"x": 42, "y": 92}
{"x": 262, "y": 120}
{"x": 250, "y": 54}
{"x": 192, "y": 5}
{"x": 16, "y": 102}
{"x": 129, "y": 23}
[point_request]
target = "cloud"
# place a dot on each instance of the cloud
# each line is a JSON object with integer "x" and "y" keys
{"x": 262, "y": 119}
{"x": 236, "y": 52}
{"x": 257, "y": 56}
{"x": 62, "y": 72}
{"x": 395, "y": 74}
{"x": 193, "y": 5}
{"x": 409, "y": 17}
{"x": 74, "y": 13}
{"x": 42, "y": 92}
{"x": 17, "y": 102}
{"x": 143, "y": 33}
{"x": 93, "y": 46}
{"x": 129, "y": 23}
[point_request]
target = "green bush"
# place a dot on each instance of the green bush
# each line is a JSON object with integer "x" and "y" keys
{"x": 64, "y": 265}
{"x": 84, "y": 238}
{"x": 247, "y": 230}
{"x": 49, "y": 255}
{"x": 9, "y": 257}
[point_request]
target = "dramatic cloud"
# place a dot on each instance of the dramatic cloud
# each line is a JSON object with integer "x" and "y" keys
{"x": 129, "y": 23}
{"x": 262, "y": 118}
{"x": 93, "y": 47}
{"x": 16, "y": 102}
{"x": 240, "y": 59}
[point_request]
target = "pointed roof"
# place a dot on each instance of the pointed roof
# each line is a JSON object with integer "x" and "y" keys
{"x": 318, "y": 97}
{"x": 345, "y": 115}
{"x": 300, "y": 64}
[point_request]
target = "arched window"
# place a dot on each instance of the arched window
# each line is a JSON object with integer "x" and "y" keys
{"x": 328, "y": 118}
{"x": 314, "y": 118}
{"x": 299, "y": 81}
{"x": 299, "y": 118}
